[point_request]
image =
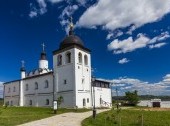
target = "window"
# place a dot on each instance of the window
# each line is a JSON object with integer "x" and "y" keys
{"x": 30, "y": 102}
{"x": 85, "y": 60}
{"x": 36, "y": 85}
{"x": 14, "y": 89}
{"x": 46, "y": 84}
{"x": 26, "y": 87}
{"x": 87, "y": 100}
{"x": 9, "y": 90}
{"x": 83, "y": 81}
{"x": 100, "y": 100}
{"x": 68, "y": 57}
{"x": 84, "y": 102}
{"x": 106, "y": 85}
{"x": 47, "y": 102}
{"x": 59, "y": 58}
{"x": 80, "y": 57}
{"x": 65, "y": 81}
{"x": 102, "y": 85}
{"x": 98, "y": 84}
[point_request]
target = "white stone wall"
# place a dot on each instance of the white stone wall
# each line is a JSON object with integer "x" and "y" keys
{"x": 82, "y": 79}
{"x": 68, "y": 99}
{"x": 43, "y": 64}
{"x": 74, "y": 73}
{"x": 11, "y": 93}
{"x": 104, "y": 94}
{"x": 40, "y": 95}
{"x": 64, "y": 79}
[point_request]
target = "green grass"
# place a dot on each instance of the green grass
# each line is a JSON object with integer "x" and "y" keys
{"x": 12, "y": 116}
{"x": 130, "y": 117}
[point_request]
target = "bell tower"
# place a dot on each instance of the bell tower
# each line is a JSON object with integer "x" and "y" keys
{"x": 72, "y": 71}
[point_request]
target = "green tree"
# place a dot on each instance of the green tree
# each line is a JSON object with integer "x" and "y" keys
{"x": 132, "y": 97}
{"x": 59, "y": 100}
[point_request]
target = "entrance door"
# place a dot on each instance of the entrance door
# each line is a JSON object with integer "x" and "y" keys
{"x": 84, "y": 102}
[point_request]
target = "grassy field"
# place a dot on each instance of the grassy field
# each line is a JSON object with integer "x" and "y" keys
{"x": 130, "y": 117}
{"x": 12, "y": 116}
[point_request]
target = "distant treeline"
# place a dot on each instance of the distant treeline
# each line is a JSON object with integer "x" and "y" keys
{"x": 144, "y": 97}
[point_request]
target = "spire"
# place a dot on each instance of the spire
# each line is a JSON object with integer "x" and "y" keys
{"x": 71, "y": 25}
{"x": 22, "y": 66}
{"x": 43, "y": 54}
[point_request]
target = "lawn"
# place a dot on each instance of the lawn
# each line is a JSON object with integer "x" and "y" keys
{"x": 130, "y": 117}
{"x": 12, "y": 116}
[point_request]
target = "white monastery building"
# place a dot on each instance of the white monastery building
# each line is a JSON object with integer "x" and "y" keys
{"x": 70, "y": 80}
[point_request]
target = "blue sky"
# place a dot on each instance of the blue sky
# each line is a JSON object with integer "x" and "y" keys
{"x": 130, "y": 40}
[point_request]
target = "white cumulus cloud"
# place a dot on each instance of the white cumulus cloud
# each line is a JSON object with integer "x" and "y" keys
{"x": 130, "y": 44}
{"x": 159, "y": 45}
{"x": 114, "y": 34}
{"x": 67, "y": 12}
{"x": 55, "y": 1}
{"x": 123, "y": 61}
{"x": 130, "y": 84}
{"x": 40, "y": 10}
{"x": 113, "y": 14}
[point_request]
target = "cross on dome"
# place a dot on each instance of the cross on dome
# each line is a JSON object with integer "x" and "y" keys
{"x": 43, "y": 47}
{"x": 71, "y": 25}
{"x": 23, "y": 63}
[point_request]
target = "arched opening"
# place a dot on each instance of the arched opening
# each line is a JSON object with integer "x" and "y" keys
{"x": 26, "y": 87}
{"x": 46, "y": 84}
{"x": 9, "y": 90}
{"x": 47, "y": 102}
{"x": 59, "y": 60}
{"x": 36, "y": 86}
{"x": 30, "y": 102}
{"x": 68, "y": 57}
{"x": 79, "y": 58}
{"x": 85, "y": 60}
{"x": 84, "y": 102}
{"x": 14, "y": 89}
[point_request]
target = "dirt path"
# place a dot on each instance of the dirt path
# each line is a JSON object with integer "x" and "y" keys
{"x": 66, "y": 119}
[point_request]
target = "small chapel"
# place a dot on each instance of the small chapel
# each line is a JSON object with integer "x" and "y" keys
{"x": 70, "y": 79}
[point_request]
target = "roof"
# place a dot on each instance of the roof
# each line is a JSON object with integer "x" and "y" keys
{"x": 71, "y": 40}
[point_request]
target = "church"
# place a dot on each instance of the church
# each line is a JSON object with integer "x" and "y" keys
{"x": 70, "y": 80}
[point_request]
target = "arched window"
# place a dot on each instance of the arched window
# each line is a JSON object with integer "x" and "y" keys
{"x": 68, "y": 57}
{"x": 85, "y": 60}
{"x": 80, "y": 57}
{"x": 14, "y": 89}
{"x": 30, "y": 102}
{"x": 100, "y": 100}
{"x": 84, "y": 102}
{"x": 26, "y": 87}
{"x": 47, "y": 102}
{"x": 59, "y": 60}
{"x": 36, "y": 85}
{"x": 46, "y": 84}
{"x": 9, "y": 90}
